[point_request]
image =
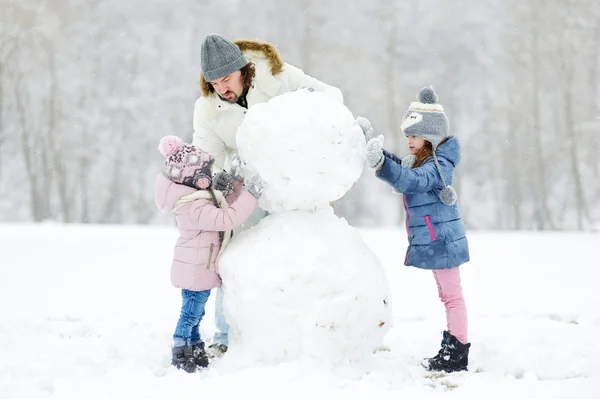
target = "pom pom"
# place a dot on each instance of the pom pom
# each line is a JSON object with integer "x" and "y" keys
{"x": 448, "y": 196}
{"x": 203, "y": 183}
{"x": 169, "y": 145}
{"x": 427, "y": 95}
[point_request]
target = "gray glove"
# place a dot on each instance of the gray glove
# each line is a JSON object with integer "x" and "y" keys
{"x": 223, "y": 182}
{"x": 366, "y": 127}
{"x": 375, "y": 156}
{"x": 255, "y": 186}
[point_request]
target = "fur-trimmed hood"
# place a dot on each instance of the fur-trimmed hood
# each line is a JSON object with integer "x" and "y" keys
{"x": 257, "y": 48}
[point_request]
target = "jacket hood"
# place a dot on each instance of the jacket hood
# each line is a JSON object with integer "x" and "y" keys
{"x": 167, "y": 192}
{"x": 450, "y": 150}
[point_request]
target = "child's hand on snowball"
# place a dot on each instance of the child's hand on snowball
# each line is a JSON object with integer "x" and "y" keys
{"x": 375, "y": 152}
{"x": 223, "y": 182}
{"x": 366, "y": 127}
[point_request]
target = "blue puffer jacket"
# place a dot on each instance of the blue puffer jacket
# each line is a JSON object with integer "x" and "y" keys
{"x": 436, "y": 232}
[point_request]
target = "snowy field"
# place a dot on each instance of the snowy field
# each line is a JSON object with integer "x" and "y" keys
{"x": 88, "y": 312}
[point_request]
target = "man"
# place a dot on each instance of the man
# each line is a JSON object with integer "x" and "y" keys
{"x": 236, "y": 76}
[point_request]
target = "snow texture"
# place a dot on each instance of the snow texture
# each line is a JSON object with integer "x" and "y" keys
{"x": 304, "y": 283}
{"x": 88, "y": 311}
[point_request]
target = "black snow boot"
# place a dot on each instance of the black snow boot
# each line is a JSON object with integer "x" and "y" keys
{"x": 454, "y": 356}
{"x": 183, "y": 358}
{"x": 199, "y": 355}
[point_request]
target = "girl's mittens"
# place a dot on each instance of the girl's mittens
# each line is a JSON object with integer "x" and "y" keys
{"x": 366, "y": 127}
{"x": 375, "y": 156}
{"x": 223, "y": 182}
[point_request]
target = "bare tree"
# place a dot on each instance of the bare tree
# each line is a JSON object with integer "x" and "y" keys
{"x": 55, "y": 147}
{"x": 35, "y": 162}
{"x": 2, "y": 106}
{"x": 534, "y": 14}
{"x": 568, "y": 69}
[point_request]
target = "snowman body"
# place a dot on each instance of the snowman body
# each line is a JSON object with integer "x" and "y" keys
{"x": 303, "y": 283}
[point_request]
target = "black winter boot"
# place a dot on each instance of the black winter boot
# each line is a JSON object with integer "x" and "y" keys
{"x": 199, "y": 355}
{"x": 183, "y": 358}
{"x": 454, "y": 356}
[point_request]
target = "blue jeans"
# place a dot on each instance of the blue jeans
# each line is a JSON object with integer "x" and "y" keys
{"x": 187, "y": 331}
{"x": 222, "y": 334}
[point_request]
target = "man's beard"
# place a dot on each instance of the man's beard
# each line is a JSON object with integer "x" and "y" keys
{"x": 233, "y": 99}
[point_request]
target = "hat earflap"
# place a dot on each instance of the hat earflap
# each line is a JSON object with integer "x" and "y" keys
{"x": 448, "y": 194}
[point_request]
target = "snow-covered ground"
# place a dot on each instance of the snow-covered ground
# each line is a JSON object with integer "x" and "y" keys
{"x": 88, "y": 312}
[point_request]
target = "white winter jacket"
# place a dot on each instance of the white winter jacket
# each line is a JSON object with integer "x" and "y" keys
{"x": 216, "y": 121}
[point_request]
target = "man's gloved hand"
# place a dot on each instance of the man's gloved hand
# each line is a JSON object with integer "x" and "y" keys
{"x": 255, "y": 186}
{"x": 236, "y": 170}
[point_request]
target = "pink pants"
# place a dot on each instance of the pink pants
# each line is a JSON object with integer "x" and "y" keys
{"x": 450, "y": 292}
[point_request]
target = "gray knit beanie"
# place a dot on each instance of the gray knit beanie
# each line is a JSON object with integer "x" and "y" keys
{"x": 219, "y": 57}
{"x": 427, "y": 119}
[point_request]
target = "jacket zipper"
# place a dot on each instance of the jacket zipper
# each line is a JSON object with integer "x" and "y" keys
{"x": 430, "y": 226}
{"x": 212, "y": 247}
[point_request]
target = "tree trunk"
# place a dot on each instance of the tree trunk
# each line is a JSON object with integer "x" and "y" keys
{"x": 1, "y": 114}
{"x": 595, "y": 103}
{"x": 39, "y": 210}
{"x": 514, "y": 180}
{"x": 393, "y": 116}
{"x": 83, "y": 186}
{"x": 537, "y": 128}
{"x": 110, "y": 212}
{"x": 56, "y": 151}
{"x": 572, "y": 140}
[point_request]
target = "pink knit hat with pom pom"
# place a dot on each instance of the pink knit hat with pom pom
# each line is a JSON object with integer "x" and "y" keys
{"x": 185, "y": 163}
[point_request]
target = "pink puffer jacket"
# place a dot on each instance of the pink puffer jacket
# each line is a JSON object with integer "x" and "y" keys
{"x": 200, "y": 221}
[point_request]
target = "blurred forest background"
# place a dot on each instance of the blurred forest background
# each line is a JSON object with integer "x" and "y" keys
{"x": 88, "y": 87}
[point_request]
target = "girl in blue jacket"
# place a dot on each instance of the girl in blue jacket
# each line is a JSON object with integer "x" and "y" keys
{"x": 436, "y": 234}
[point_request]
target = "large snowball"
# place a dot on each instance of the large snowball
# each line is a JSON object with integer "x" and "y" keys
{"x": 307, "y": 148}
{"x": 304, "y": 283}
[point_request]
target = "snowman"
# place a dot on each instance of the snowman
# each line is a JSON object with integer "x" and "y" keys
{"x": 302, "y": 284}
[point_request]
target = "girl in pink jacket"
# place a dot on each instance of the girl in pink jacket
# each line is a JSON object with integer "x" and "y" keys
{"x": 205, "y": 218}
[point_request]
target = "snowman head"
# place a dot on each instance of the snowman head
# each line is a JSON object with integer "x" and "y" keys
{"x": 307, "y": 148}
